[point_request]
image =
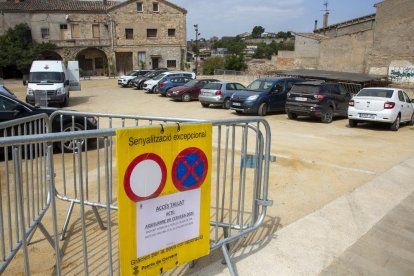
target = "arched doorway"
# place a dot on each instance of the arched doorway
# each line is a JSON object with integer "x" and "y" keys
{"x": 92, "y": 61}
{"x": 51, "y": 55}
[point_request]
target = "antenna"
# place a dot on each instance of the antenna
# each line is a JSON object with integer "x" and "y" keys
{"x": 326, "y": 14}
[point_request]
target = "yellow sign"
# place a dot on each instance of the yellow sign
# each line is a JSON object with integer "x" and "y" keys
{"x": 164, "y": 178}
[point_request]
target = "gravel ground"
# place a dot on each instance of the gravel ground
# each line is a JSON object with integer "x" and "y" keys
{"x": 316, "y": 163}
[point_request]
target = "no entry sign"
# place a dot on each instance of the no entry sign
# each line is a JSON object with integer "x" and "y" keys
{"x": 163, "y": 196}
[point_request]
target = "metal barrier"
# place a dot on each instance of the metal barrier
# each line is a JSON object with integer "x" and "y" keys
{"x": 241, "y": 155}
{"x": 25, "y": 189}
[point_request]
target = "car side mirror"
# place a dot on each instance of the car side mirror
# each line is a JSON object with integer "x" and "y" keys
{"x": 66, "y": 82}
{"x": 24, "y": 82}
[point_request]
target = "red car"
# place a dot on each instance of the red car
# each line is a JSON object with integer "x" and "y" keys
{"x": 188, "y": 91}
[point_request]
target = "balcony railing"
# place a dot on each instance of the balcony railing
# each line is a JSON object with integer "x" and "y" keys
{"x": 76, "y": 42}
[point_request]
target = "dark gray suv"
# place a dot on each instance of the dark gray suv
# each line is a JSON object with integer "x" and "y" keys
{"x": 317, "y": 99}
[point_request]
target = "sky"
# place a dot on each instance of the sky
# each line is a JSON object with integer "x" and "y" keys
{"x": 232, "y": 17}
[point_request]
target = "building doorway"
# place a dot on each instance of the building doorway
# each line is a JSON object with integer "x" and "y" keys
{"x": 123, "y": 62}
{"x": 155, "y": 62}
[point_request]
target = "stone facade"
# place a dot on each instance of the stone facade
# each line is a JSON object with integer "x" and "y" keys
{"x": 130, "y": 34}
{"x": 346, "y": 53}
{"x": 393, "y": 42}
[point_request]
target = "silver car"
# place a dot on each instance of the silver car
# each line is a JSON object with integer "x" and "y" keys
{"x": 219, "y": 93}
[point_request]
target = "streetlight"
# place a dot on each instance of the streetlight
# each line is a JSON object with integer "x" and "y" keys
{"x": 196, "y": 52}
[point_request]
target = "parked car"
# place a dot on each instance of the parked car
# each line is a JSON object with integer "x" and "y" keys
{"x": 149, "y": 85}
{"x": 381, "y": 105}
{"x": 262, "y": 96}
{"x": 4, "y": 90}
{"x": 126, "y": 79}
{"x": 321, "y": 99}
{"x": 138, "y": 82}
{"x": 219, "y": 93}
{"x": 188, "y": 91}
{"x": 12, "y": 108}
{"x": 170, "y": 82}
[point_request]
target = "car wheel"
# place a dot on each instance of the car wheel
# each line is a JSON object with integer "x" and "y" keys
{"x": 129, "y": 84}
{"x": 65, "y": 101}
{"x": 396, "y": 125}
{"x": 226, "y": 103}
{"x": 205, "y": 104}
{"x": 352, "y": 123}
{"x": 292, "y": 116}
{"x": 186, "y": 97}
{"x": 262, "y": 109}
{"x": 239, "y": 112}
{"x": 327, "y": 116}
{"x": 411, "y": 123}
{"x": 70, "y": 146}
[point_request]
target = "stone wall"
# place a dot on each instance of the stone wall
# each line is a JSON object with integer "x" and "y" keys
{"x": 393, "y": 43}
{"x": 346, "y": 53}
{"x": 165, "y": 46}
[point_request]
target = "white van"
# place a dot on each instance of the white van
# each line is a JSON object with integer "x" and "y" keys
{"x": 150, "y": 85}
{"x": 50, "y": 82}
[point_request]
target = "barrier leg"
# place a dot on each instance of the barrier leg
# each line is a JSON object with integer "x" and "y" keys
{"x": 228, "y": 260}
{"x": 98, "y": 217}
{"x": 65, "y": 225}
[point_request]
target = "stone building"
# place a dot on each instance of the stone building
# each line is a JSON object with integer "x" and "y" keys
{"x": 104, "y": 34}
{"x": 380, "y": 43}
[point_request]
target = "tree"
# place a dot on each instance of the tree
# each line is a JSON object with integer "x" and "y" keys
{"x": 235, "y": 62}
{"x": 257, "y": 31}
{"x": 211, "y": 64}
{"x": 235, "y": 45}
{"x": 17, "y": 48}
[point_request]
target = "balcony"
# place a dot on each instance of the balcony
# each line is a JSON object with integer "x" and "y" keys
{"x": 63, "y": 43}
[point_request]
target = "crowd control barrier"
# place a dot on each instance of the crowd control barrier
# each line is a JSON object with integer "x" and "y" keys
{"x": 85, "y": 178}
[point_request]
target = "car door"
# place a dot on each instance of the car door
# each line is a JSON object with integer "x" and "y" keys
{"x": 342, "y": 98}
{"x": 403, "y": 106}
{"x": 277, "y": 97}
{"x": 410, "y": 108}
{"x": 9, "y": 109}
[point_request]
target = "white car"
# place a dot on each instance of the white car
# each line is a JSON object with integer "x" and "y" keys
{"x": 150, "y": 85}
{"x": 383, "y": 105}
{"x": 126, "y": 79}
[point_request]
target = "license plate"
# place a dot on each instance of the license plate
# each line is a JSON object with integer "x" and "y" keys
{"x": 237, "y": 104}
{"x": 366, "y": 116}
{"x": 301, "y": 99}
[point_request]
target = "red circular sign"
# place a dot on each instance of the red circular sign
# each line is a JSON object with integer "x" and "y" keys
{"x": 145, "y": 177}
{"x": 189, "y": 169}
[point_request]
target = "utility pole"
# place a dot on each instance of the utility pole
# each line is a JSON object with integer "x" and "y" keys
{"x": 196, "y": 50}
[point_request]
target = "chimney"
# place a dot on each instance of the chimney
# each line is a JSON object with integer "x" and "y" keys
{"x": 325, "y": 19}
{"x": 316, "y": 25}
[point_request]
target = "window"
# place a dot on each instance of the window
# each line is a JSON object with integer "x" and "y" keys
{"x": 44, "y": 32}
{"x": 95, "y": 31}
{"x": 155, "y": 7}
{"x": 141, "y": 58}
{"x": 171, "y": 63}
{"x": 99, "y": 63}
{"x": 75, "y": 30}
{"x": 401, "y": 96}
{"x": 151, "y": 33}
{"x": 64, "y": 32}
{"x": 140, "y": 7}
{"x": 129, "y": 33}
{"x": 171, "y": 32}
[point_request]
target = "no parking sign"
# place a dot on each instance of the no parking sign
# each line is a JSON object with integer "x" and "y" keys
{"x": 164, "y": 178}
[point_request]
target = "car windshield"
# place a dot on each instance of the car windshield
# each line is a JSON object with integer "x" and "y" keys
{"x": 260, "y": 85}
{"x": 305, "y": 89}
{"x": 191, "y": 83}
{"x": 213, "y": 86}
{"x": 158, "y": 77}
{"x": 132, "y": 73}
{"x": 383, "y": 93}
{"x": 150, "y": 74}
{"x": 46, "y": 77}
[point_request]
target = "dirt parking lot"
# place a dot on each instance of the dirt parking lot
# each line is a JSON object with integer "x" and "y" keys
{"x": 316, "y": 163}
